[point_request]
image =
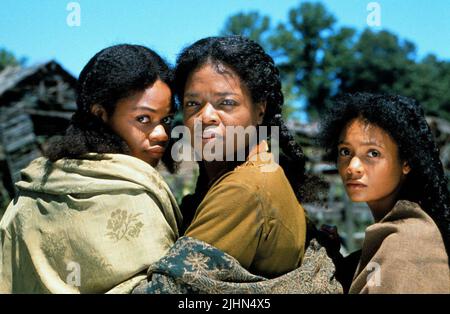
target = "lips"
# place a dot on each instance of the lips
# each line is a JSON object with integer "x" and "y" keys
{"x": 355, "y": 185}
{"x": 208, "y": 135}
{"x": 156, "y": 150}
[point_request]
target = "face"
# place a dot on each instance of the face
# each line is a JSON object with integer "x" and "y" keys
{"x": 215, "y": 96}
{"x": 369, "y": 165}
{"x": 143, "y": 120}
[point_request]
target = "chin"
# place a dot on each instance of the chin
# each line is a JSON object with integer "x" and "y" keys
{"x": 354, "y": 197}
{"x": 359, "y": 200}
{"x": 151, "y": 162}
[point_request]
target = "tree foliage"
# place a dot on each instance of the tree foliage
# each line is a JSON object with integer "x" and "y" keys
{"x": 7, "y": 58}
{"x": 319, "y": 60}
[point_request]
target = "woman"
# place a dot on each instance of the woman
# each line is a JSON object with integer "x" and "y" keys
{"x": 94, "y": 213}
{"x": 387, "y": 157}
{"x": 247, "y": 208}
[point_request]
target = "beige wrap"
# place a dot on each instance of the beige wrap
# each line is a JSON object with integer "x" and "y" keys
{"x": 403, "y": 253}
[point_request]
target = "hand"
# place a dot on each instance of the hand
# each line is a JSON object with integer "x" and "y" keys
{"x": 331, "y": 240}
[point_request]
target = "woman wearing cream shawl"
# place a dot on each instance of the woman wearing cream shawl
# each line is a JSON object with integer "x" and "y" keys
{"x": 85, "y": 225}
{"x": 94, "y": 214}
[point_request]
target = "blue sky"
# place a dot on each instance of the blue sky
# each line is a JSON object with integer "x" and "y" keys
{"x": 37, "y": 29}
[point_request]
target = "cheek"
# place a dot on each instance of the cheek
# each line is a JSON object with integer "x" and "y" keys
{"x": 121, "y": 124}
{"x": 240, "y": 116}
{"x": 136, "y": 139}
{"x": 248, "y": 119}
{"x": 342, "y": 167}
{"x": 122, "y": 131}
{"x": 383, "y": 179}
{"x": 189, "y": 124}
{"x": 129, "y": 132}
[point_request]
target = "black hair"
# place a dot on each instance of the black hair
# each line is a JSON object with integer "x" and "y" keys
{"x": 404, "y": 120}
{"x": 112, "y": 74}
{"x": 257, "y": 70}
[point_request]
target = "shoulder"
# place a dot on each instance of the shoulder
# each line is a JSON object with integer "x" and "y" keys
{"x": 257, "y": 186}
{"x": 407, "y": 247}
{"x": 403, "y": 210}
{"x": 239, "y": 192}
{"x": 408, "y": 217}
{"x": 407, "y": 226}
{"x": 255, "y": 175}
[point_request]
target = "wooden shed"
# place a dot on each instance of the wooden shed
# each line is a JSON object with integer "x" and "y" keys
{"x": 36, "y": 103}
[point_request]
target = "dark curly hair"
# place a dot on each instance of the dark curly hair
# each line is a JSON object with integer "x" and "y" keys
{"x": 257, "y": 70}
{"x": 112, "y": 74}
{"x": 404, "y": 120}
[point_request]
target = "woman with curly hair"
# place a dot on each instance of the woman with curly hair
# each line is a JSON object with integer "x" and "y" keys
{"x": 387, "y": 157}
{"x": 249, "y": 207}
{"x": 93, "y": 214}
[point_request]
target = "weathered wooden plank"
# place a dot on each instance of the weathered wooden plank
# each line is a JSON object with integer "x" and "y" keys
{"x": 11, "y": 134}
{"x": 8, "y": 119}
{"x": 12, "y": 146}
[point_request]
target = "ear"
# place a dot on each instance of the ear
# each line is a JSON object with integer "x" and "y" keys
{"x": 99, "y": 111}
{"x": 406, "y": 168}
{"x": 260, "y": 112}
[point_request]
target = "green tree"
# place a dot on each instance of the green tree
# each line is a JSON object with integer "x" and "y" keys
{"x": 319, "y": 61}
{"x": 251, "y": 25}
{"x": 301, "y": 49}
{"x": 380, "y": 63}
{"x": 258, "y": 28}
{"x": 7, "y": 58}
{"x": 313, "y": 49}
{"x": 429, "y": 84}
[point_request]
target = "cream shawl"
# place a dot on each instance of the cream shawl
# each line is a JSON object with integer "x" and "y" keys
{"x": 85, "y": 226}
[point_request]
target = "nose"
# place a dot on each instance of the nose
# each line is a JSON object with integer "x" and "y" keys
{"x": 355, "y": 166}
{"x": 158, "y": 134}
{"x": 209, "y": 115}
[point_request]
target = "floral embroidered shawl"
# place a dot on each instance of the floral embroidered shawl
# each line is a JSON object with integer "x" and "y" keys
{"x": 85, "y": 226}
{"x": 193, "y": 266}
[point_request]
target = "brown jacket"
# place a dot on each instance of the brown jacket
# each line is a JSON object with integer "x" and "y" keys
{"x": 403, "y": 253}
{"x": 252, "y": 214}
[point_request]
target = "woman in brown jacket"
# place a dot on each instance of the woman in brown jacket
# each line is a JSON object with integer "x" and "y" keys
{"x": 387, "y": 157}
{"x": 247, "y": 207}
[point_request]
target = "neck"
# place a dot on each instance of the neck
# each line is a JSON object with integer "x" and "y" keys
{"x": 380, "y": 208}
{"x": 215, "y": 169}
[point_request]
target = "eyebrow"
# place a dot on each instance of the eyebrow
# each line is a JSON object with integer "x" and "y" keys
{"x": 369, "y": 143}
{"x": 144, "y": 108}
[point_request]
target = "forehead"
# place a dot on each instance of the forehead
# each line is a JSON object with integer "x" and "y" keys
{"x": 158, "y": 93}
{"x": 155, "y": 98}
{"x": 215, "y": 77}
{"x": 361, "y": 132}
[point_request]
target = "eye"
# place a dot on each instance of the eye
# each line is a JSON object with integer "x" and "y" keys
{"x": 167, "y": 120}
{"x": 143, "y": 119}
{"x": 373, "y": 153}
{"x": 344, "y": 152}
{"x": 191, "y": 103}
{"x": 228, "y": 102}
